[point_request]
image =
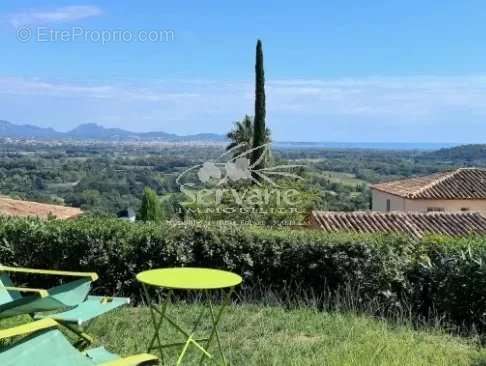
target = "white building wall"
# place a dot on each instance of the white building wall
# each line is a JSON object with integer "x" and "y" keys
{"x": 379, "y": 203}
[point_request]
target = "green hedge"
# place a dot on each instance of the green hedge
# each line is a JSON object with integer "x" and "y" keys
{"x": 446, "y": 276}
{"x": 449, "y": 277}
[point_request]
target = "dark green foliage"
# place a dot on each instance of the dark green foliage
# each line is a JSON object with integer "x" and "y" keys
{"x": 106, "y": 178}
{"x": 97, "y": 177}
{"x": 277, "y": 259}
{"x": 370, "y": 165}
{"x": 450, "y": 277}
{"x": 469, "y": 154}
{"x": 151, "y": 209}
{"x": 437, "y": 276}
{"x": 259, "y": 130}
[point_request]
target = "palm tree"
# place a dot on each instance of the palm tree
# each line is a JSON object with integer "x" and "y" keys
{"x": 241, "y": 136}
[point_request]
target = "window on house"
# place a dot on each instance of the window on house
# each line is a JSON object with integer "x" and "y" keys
{"x": 388, "y": 205}
{"x": 435, "y": 209}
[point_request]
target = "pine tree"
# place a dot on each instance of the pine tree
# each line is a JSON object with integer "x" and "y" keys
{"x": 259, "y": 130}
{"x": 150, "y": 209}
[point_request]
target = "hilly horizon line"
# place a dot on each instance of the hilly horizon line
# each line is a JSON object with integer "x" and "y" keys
{"x": 95, "y": 131}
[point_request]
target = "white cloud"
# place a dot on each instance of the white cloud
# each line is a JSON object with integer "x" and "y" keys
{"x": 394, "y": 96}
{"x": 378, "y": 97}
{"x": 64, "y": 14}
{"x": 415, "y": 108}
{"x": 36, "y": 87}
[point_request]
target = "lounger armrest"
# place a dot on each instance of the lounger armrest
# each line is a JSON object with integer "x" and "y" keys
{"x": 29, "y": 328}
{"x": 40, "y": 292}
{"x": 92, "y": 275}
{"x": 141, "y": 359}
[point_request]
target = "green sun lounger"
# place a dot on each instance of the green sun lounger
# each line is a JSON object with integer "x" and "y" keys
{"x": 40, "y": 343}
{"x": 68, "y": 303}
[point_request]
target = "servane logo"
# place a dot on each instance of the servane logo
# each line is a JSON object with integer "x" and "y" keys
{"x": 231, "y": 184}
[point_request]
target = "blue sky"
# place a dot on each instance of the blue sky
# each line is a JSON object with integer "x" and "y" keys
{"x": 374, "y": 71}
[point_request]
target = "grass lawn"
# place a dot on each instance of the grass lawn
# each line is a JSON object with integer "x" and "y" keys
{"x": 254, "y": 335}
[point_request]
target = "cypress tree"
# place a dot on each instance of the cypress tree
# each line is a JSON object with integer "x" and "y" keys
{"x": 150, "y": 209}
{"x": 259, "y": 119}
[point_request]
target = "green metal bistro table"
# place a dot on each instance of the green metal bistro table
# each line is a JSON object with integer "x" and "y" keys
{"x": 188, "y": 279}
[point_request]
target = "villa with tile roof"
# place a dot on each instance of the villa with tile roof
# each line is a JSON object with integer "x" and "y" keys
{"x": 461, "y": 190}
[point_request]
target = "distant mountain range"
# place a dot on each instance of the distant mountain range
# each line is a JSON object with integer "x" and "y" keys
{"x": 93, "y": 131}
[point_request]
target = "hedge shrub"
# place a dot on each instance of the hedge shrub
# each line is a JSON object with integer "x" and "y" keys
{"x": 117, "y": 250}
{"x": 440, "y": 275}
{"x": 449, "y": 277}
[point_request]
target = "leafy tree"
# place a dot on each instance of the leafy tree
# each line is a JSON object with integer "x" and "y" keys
{"x": 259, "y": 129}
{"x": 150, "y": 209}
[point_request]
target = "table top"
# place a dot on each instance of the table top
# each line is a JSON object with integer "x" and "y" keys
{"x": 189, "y": 278}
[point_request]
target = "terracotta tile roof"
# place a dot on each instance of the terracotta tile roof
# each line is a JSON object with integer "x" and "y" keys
{"x": 12, "y": 207}
{"x": 463, "y": 183}
{"x": 415, "y": 224}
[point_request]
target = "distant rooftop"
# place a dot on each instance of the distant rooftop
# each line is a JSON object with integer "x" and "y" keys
{"x": 413, "y": 224}
{"x": 12, "y": 207}
{"x": 463, "y": 183}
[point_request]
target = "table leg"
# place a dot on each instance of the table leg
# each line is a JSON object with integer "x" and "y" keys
{"x": 215, "y": 322}
{"x": 157, "y": 324}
